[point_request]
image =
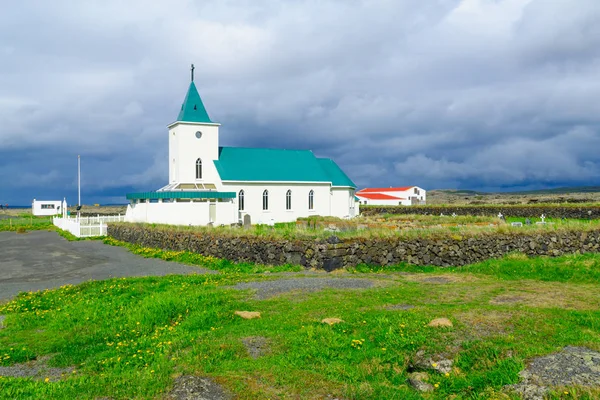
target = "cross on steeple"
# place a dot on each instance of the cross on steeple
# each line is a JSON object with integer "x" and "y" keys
{"x": 192, "y": 72}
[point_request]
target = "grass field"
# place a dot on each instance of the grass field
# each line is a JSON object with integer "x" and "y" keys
{"x": 25, "y": 223}
{"x": 130, "y": 338}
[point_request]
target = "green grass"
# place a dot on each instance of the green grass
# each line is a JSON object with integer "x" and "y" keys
{"x": 25, "y": 223}
{"x": 128, "y": 338}
{"x": 582, "y": 268}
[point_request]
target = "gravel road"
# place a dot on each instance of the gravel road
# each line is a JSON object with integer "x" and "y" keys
{"x": 42, "y": 260}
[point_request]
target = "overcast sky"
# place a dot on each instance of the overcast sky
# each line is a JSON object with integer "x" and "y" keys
{"x": 478, "y": 94}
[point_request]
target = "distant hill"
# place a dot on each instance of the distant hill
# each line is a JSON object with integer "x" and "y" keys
{"x": 561, "y": 190}
{"x": 459, "y": 192}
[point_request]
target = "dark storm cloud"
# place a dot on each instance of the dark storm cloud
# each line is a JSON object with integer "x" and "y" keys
{"x": 485, "y": 94}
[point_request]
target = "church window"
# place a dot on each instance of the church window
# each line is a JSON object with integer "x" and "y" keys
{"x": 241, "y": 200}
{"x": 288, "y": 200}
{"x": 266, "y": 200}
{"x": 198, "y": 169}
{"x": 311, "y": 200}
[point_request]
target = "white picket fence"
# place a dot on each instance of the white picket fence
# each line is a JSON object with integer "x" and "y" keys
{"x": 86, "y": 226}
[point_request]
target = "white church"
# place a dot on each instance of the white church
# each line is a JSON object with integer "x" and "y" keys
{"x": 213, "y": 185}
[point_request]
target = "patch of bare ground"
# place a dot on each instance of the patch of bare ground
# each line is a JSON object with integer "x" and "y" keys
{"x": 550, "y": 295}
{"x": 37, "y": 369}
{"x": 395, "y": 307}
{"x": 307, "y": 385}
{"x": 458, "y": 293}
{"x": 484, "y": 324}
{"x": 571, "y": 367}
{"x": 441, "y": 279}
{"x": 189, "y": 387}
{"x": 257, "y": 346}
{"x": 441, "y": 362}
{"x": 268, "y": 289}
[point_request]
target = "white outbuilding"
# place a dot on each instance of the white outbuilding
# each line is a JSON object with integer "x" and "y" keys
{"x": 211, "y": 184}
{"x": 393, "y": 196}
{"x": 46, "y": 207}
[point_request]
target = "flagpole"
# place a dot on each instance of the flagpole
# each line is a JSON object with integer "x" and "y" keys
{"x": 78, "y": 185}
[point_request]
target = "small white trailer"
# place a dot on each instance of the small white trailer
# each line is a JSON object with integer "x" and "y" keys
{"x": 46, "y": 207}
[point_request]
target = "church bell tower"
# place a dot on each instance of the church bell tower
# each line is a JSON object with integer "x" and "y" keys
{"x": 193, "y": 142}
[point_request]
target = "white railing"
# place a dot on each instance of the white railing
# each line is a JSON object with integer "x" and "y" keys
{"x": 86, "y": 226}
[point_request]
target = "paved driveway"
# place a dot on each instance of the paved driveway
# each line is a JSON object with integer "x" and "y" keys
{"x": 42, "y": 260}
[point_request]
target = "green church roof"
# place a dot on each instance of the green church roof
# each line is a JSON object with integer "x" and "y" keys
{"x": 335, "y": 173}
{"x": 276, "y": 165}
{"x": 193, "y": 109}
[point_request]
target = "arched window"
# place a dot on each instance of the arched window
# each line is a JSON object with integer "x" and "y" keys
{"x": 198, "y": 169}
{"x": 266, "y": 200}
{"x": 288, "y": 200}
{"x": 241, "y": 200}
{"x": 311, "y": 200}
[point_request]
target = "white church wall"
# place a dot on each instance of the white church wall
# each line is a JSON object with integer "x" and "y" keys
{"x": 253, "y": 195}
{"x": 342, "y": 202}
{"x": 182, "y": 213}
{"x": 185, "y": 148}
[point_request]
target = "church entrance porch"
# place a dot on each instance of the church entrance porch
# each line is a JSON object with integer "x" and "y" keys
{"x": 182, "y": 208}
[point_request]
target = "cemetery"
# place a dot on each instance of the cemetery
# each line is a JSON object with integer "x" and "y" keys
{"x": 564, "y": 210}
{"x": 330, "y": 243}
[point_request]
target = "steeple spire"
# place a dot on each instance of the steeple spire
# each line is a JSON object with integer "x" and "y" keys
{"x": 192, "y": 109}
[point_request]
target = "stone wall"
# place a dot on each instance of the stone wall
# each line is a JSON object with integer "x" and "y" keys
{"x": 335, "y": 253}
{"x": 551, "y": 211}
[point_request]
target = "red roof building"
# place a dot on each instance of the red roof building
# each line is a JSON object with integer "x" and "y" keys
{"x": 392, "y": 196}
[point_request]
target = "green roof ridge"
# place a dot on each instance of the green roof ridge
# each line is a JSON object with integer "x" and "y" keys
{"x": 192, "y": 109}
{"x": 278, "y": 165}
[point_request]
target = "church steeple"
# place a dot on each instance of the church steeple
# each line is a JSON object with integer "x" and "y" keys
{"x": 192, "y": 109}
